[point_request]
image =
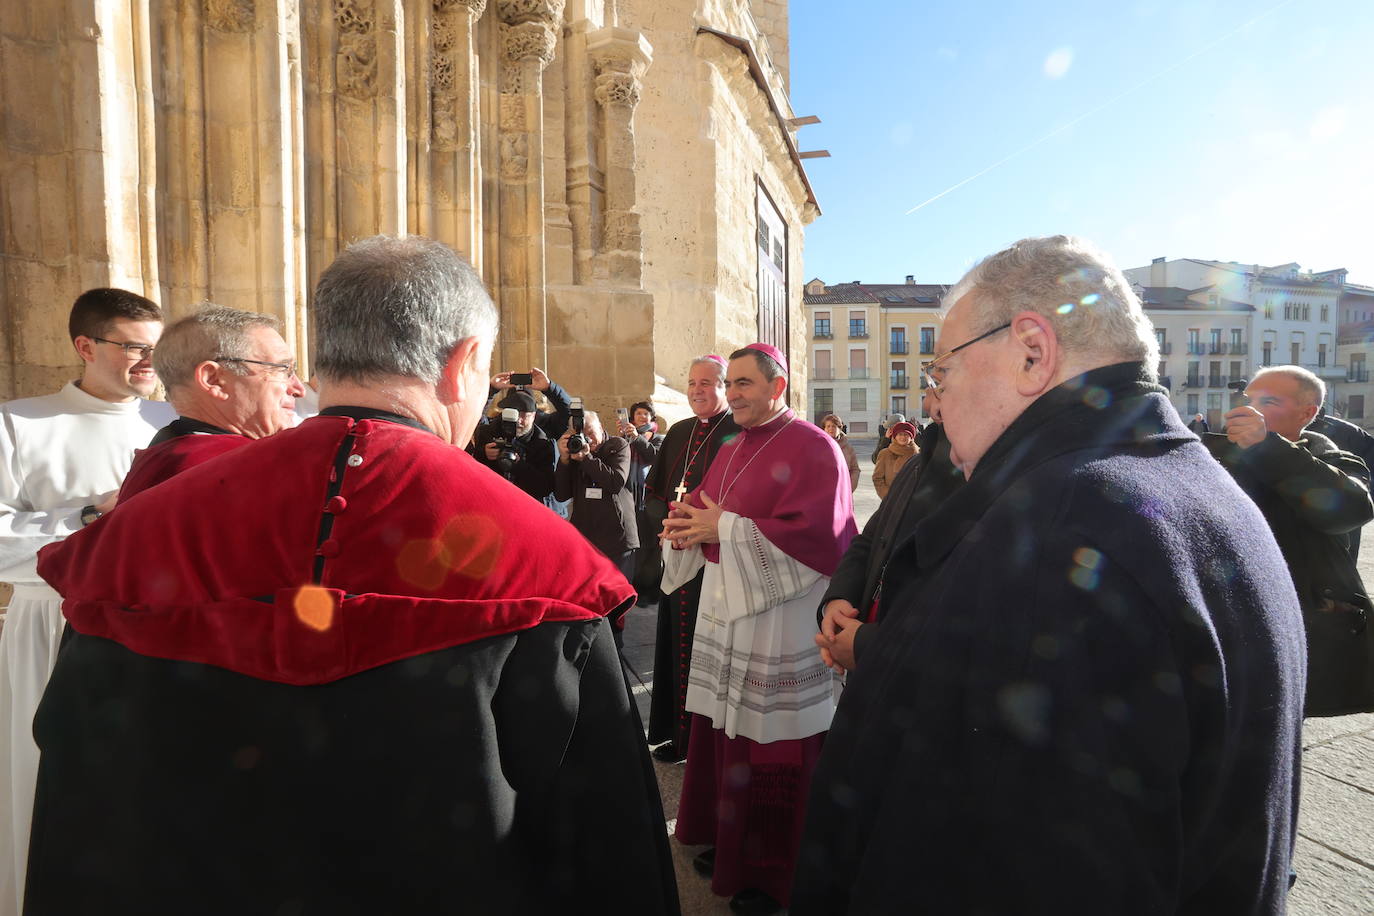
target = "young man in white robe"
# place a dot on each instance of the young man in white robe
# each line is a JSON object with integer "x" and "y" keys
{"x": 62, "y": 459}
{"x": 769, "y": 523}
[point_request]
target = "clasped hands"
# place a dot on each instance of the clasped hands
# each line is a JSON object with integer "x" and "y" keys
{"x": 839, "y": 622}
{"x": 688, "y": 526}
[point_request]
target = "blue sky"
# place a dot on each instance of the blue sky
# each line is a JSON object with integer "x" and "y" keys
{"x": 1228, "y": 130}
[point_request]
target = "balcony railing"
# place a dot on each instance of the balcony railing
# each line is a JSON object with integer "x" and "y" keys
{"x": 899, "y": 347}
{"x": 823, "y": 335}
{"x": 822, "y": 374}
{"x": 927, "y": 346}
{"x": 1329, "y": 371}
{"x": 1216, "y": 349}
{"x": 857, "y": 373}
{"x": 1239, "y": 349}
{"x": 1218, "y": 381}
{"x": 1357, "y": 375}
{"x": 1166, "y": 348}
{"x": 1193, "y": 381}
{"x": 1197, "y": 349}
{"x": 858, "y": 333}
{"x": 899, "y": 381}
{"x": 1167, "y": 382}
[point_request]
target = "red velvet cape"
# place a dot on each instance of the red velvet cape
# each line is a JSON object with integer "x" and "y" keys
{"x": 166, "y": 460}
{"x": 426, "y": 549}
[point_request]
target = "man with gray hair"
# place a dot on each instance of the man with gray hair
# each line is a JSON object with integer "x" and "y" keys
{"x": 1086, "y": 694}
{"x": 338, "y": 672}
{"x": 231, "y": 378}
{"x": 1314, "y": 496}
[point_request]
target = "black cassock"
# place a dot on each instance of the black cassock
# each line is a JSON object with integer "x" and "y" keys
{"x": 688, "y": 449}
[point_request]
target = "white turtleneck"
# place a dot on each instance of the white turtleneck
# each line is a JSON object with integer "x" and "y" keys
{"x": 58, "y": 453}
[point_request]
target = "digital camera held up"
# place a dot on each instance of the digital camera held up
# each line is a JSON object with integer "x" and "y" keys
{"x": 577, "y": 442}
{"x": 508, "y": 442}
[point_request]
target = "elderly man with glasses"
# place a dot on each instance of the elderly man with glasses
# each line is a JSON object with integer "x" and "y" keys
{"x": 62, "y": 459}
{"x": 1086, "y": 692}
{"x": 231, "y": 378}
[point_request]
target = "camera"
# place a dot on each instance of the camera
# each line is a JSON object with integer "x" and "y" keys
{"x": 576, "y": 442}
{"x": 522, "y": 379}
{"x": 1239, "y": 384}
{"x": 511, "y": 449}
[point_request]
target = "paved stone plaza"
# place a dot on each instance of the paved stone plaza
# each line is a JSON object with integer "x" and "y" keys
{"x": 1335, "y": 853}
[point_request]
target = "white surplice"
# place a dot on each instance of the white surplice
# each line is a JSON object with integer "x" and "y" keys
{"x": 58, "y": 453}
{"x": 756, "y": 671}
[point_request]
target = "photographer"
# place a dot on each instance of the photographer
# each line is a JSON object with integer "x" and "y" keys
{"x": 638, "y": 428}
{"x": 592, "y": 470}
{"x": 513, "y": 446}
{"x": 1313, "y": 495}
{"x": 553, "y": 420}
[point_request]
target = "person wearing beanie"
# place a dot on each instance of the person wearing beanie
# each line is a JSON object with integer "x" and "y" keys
{"x": 891, "y": 459}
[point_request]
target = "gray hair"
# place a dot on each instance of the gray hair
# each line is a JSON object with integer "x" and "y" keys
{"x": 213, "y": 332}
{"x": 593, "y": 419}
{"x": 1308, "y": 382}
{"x": 713, "y": 361}
{"x": 397, "y": 307}
{"x": 1087, "y": 300}
{"x": 769, "y": 366}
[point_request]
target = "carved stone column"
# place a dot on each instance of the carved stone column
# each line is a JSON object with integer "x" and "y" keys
{"x": 529, "y": 37}
{"x": 455, "y": 125}
{"x": 620, "y": 57}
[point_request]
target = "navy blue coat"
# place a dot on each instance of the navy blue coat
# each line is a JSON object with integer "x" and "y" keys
{"x": 1087, "y": 694}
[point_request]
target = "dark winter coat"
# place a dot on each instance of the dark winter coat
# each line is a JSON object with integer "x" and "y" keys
{"x": 607, "y": 519}
{"x": 1313, "y": 495}
{"x": 1087, "y": 697}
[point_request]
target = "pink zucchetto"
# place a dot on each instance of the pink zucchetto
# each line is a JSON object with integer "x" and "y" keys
{"x": 772, "y": 353}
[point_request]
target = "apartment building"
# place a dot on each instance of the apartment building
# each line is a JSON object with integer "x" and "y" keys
{"x": 867, "y": 344}
{"x": 1204, "y": 347}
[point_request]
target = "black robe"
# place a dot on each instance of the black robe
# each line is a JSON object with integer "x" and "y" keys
{"x": 677, "y": 613}
{"x": 385, "y": 685}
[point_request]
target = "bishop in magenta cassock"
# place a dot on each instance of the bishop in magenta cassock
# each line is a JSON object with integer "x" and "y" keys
{"x": 687, "y": 451}
{"x": 768, "y": 526}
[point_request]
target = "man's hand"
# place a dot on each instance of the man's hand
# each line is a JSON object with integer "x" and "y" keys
{"x": 687, "y": 526}
{"x": 563, "y": 454}
{"x": 839, "y": 623}
{"x": 541, "y": 381}
{"x": 1245, "y": 426}
{"x": 492, "y": 450}
{"x": 501, "y": 380}
{"x": 108, "y": 503}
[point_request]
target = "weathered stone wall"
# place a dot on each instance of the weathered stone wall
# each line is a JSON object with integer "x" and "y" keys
{"x": 590, "y": 156}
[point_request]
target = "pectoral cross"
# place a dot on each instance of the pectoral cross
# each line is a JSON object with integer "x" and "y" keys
{"x": 681, "y": 491}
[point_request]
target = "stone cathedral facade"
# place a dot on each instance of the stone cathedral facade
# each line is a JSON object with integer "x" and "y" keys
{"x": 623, "y": 173}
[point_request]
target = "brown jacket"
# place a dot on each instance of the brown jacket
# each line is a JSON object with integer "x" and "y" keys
{"x": 889, "y": 462}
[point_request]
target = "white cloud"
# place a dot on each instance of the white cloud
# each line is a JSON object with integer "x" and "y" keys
{"x": 1328, "y": 124}
{"x": 1058, "y": 63}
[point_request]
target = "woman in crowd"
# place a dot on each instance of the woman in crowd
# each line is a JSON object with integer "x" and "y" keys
{"x": 891, "y": 459}
{"x": 835, "y": 427}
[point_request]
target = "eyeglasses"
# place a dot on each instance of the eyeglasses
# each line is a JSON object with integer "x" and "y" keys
{"x": 133, "y": 351}
{"x": 935, "y": 383}
{"x": 279, "y": 370}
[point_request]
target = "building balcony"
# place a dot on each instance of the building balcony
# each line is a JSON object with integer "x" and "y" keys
{"x": 860, "y": 334}
{"x": 1216, "y": 349}
{"x": 1166, "y": 349}
{"x": 823, "y": 335}
{"x": 1356, "y": 375}
{"x": 899, "y": 348}
{"x": 1333, "y": 372}
{"x": 1239, "y": 349}
{"x": 1167, "y": 382}
{"x": 1197, "y": 349}
{"x": 857, "y": 373}
{"x": 897, "y": 382}
{"x": 821, "y": 375}
{"x": 1192, "y": 381}
{"x": 927, "y": 348}
{"x": 1217, "y": 381}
